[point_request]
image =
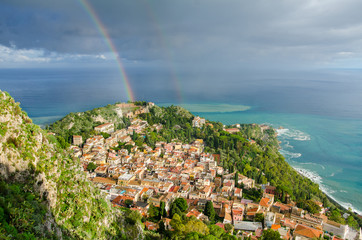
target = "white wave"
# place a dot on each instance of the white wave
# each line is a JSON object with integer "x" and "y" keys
{"x": 287, "y": 144}
{"x": 289, "y": 155}
{"x": 311, "y": 175}
{"x": 293, "y": 134}
{"x": 332, "y": 175}
{"x": 317, "y": 164}
{"x": 318, "y": 179}
{"x": 346, "y": 205}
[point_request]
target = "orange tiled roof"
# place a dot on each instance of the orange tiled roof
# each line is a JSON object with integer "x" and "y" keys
{"x": 264, "y": 202}
{"x": 307, "y": 231}
{"x": 275, "y": 226}
{"x": 193, "y": 212}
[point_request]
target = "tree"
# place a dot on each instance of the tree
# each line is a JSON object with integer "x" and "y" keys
{"x": 228, "y": 227}
{"x": 181, "y": 203}
{"x": 270, "y": 235}
{"x": 162, "y": 228}
{"x": 174, "y": 210}
{"x": 210, "y": 211}
{"x": 154, "y": 212}
{"x": 216, "y": 230}
{"x": 128, "y": 203}
{"x": 352, "y": 222}
{"x": 195, "y": 225}
{"x": 236, "y": 179}
{"x": 91, "y": 166}
{"x": 176, "y": 224}
{"x": 192, "y": 236}
{"x": 145, "y": 197}
{"x": 309, "y": 205}
{"x": 259, "y": 217}
{"x": 163, "y": 212}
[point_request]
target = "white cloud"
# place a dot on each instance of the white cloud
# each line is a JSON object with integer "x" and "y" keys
{"x": 12, "y": 55}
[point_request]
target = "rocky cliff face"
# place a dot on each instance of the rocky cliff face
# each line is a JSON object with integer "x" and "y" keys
{"x": 75, "y": 208}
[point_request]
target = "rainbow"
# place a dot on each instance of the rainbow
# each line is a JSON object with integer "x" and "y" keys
{"x": 103, "y": 31}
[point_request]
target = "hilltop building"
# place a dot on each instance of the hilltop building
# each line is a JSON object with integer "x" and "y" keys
{"x": 198, "y": 122}
{"x": 106, "y": 128}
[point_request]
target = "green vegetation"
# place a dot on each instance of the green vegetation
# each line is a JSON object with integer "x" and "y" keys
{"x": 22, "y": 212}
{"x": 184, "y": 227}
{"x": 210, "y": 211}
{"x": 309, "y": 205}
{"x": 83, "y": 123}
{"x": 45, "y": 194}
{"x": 91, "y": 166}
{"x": 192, "y": 228}
{"x": 270, "y": 235}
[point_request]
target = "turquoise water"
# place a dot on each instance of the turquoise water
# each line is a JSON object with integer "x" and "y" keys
{"x": 321, "y": 112}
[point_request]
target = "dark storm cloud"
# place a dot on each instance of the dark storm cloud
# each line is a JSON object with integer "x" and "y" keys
{"x": 200, "y": 32}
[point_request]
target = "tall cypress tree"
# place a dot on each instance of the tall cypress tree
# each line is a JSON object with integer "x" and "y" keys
{"x": 210, "y": 211}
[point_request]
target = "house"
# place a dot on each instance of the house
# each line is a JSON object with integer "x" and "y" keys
{"x": 232, "y": 130}
{"x": 237, "y": 215}
{"x": 151, "y": 226}
{"x": 248, "y": 226}
{"x": 303, "y": 232}
{"x": 336, "y": 238}
{"x": 106, "y": 128}
{"x": 155, "y": 200}
{"x": 77, "y": 140}
{"x": 335, "y": 228}
{"x": 119, "y": 133}
{"x": 225, "y": 191}
{"x": 205, "y": 192}
{"x": 270, "y": 196}
{"x": 103, "y": 180}
{"x": 113, "y": 158}
{"x": 269, "y": 219}
{"x": 198, "y": 122}
{"x": 287, "y": 222}
{"x": 265, "y": 204}
{"x": 279, "y": 207}
{"x": 284, "y": 233}
{"x": 308, "y": 221}
{"x": 125, "y": 178}
{"x": 101, "y": 171}
{"x": 247, "y": 182}
{"x": 227, "y": 218}
{"x": 270, "y": 190}
{"x": 120, "y": 199}
{"x": 194, "y": 213}
{"x": 238, "y": 192}
{"x": 111, "y": 142}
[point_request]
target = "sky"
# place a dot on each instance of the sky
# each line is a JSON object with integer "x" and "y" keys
{"x": 187, "y": 34}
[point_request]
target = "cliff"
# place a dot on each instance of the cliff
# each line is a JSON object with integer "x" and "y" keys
{"x": 44, "y": 193}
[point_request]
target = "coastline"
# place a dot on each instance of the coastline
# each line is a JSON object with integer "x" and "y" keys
{"x": 315, "y": 178}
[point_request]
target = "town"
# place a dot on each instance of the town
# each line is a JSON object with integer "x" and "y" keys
{"x": 142, "y": 177}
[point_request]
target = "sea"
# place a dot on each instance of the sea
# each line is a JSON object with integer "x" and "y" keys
{"x": 317, "y": 113}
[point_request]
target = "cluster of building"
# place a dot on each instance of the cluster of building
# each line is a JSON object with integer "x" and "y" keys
{"x": 144, "y": 176}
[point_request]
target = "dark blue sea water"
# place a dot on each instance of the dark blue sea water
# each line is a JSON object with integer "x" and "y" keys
{"x": 321, "y": 111}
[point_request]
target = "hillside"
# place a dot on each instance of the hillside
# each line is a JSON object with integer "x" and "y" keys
{"x": 82, "y": 123}
{"x": 44, "y": 193}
